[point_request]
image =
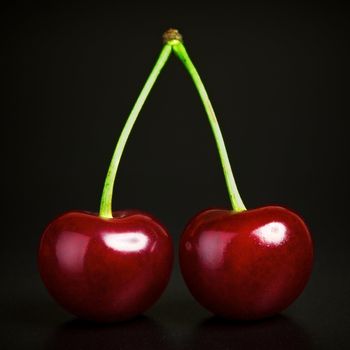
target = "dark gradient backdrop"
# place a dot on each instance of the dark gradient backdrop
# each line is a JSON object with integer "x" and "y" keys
{"x": 278, "y": 77}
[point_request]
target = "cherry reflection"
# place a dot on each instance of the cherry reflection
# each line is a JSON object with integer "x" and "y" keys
{"x": 70, "y": 251}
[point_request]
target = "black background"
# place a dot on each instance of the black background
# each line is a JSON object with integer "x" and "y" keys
{"x": 278, "y": 77}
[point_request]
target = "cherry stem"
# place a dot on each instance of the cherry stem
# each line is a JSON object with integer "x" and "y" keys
{"x": 107, "y": 194}
{"x": 172, "y": 42}
{"x": 235, "y": 198}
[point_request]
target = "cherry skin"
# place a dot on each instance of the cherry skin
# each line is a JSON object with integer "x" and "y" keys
{"x": 246, "y": 265}
{"x": 105, "y": 269}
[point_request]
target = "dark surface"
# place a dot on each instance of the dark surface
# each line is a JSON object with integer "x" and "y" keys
{"x": 278, "y": 76}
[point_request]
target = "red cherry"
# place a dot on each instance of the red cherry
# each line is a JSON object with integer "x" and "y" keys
{"x": 246, "y": 265}
{"x": 105, "y": 269}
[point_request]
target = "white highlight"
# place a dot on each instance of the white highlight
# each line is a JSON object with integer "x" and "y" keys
{"x": 272, "y": 233}
{"x": 126, "y": 242}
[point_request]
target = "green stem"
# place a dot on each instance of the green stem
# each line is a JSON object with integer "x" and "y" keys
{"x": 236, "y": 200}
{"x": 107, "y": 194}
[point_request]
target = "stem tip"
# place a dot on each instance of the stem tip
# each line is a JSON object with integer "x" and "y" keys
{"x": 170, "y": 35}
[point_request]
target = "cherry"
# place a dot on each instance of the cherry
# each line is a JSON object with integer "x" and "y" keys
{"x": 246, "y": 265}
{"x": 241, "y": 264}
{"x": 103, "y": 267}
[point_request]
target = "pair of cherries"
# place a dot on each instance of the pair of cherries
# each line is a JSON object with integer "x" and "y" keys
{"x": 239, "y": 264}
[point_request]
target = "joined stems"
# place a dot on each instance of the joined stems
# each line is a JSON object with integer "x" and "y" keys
{"x": 173, "y": 42}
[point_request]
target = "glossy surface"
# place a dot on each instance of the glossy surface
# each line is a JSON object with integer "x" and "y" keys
{"x": 105, "y": 269}
{"x": 246, "y": 265}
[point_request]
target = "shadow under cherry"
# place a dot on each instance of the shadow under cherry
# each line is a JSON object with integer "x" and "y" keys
{"x": 139, "y": 333}
{"x": 278, "y": 332}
